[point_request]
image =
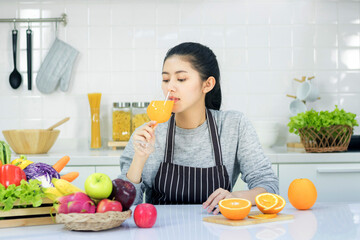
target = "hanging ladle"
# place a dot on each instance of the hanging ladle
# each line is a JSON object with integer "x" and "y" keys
{"x": 15, "y": 77}
{"x": 58, "y": 124}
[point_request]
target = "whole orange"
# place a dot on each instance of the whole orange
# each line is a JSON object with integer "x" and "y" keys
{"x": 302, "y": 193}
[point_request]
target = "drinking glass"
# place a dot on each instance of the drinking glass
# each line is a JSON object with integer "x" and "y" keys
{"x": 159, "y": 111}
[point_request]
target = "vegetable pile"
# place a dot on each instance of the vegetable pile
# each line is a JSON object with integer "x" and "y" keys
{"x": 321, "y": 119}
{"x": 26, "y": 181}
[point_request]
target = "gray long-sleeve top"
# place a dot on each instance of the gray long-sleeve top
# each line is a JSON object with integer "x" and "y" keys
{"x": 241, "y": 151}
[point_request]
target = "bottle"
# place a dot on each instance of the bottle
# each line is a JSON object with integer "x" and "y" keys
{"x": 94, "y": 101}
{"x": 121, "y": 121}
{"x": 139, "y": 115}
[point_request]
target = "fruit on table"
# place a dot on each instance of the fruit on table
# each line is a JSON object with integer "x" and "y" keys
{"x": 302, "y": 193}
{"x": 266, "y": 202}
{"x": 98, "y": 185}
{"x": 107, "y": 205}
{"x": 145, "y": 215}
{"x": 65, "y": 187}
{"x": 235, "y": 208}
{"x": 124, "y": 192}
{"x": 11, "y": 174}
{"x": 74, "y": 203}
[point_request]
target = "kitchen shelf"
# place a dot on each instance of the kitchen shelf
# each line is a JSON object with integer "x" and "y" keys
{"x": 115, "y": 144}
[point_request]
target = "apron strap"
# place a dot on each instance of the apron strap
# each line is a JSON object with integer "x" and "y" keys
{"x": 170, "y": 139}
{"x": 214, "y": 138}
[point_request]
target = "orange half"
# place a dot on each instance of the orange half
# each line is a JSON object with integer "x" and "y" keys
{"x": 235, "y": 208}
{"x": 266, "y": 202}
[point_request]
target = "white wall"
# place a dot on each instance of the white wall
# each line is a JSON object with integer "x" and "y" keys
{"x": 261, "y": 47}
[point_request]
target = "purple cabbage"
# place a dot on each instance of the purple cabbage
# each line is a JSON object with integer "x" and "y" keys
{"x": 42, "y": 172}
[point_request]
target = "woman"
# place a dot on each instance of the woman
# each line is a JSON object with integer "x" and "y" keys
{"x": 200, "y": 152}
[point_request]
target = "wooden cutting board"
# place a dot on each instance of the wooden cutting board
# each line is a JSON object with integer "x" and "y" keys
{"x": 220, "y": 219}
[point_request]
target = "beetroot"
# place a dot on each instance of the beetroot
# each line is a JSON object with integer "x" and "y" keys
{"x": 74, "y": 203}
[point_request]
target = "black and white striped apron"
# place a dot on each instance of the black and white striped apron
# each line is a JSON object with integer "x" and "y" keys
{"x": 177, "y": 184}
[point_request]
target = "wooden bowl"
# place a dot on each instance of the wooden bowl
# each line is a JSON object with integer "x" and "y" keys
{"x": 31, "y": 141}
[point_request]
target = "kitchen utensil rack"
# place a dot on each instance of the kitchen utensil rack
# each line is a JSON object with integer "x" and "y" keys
{"x": 62, "y": 19}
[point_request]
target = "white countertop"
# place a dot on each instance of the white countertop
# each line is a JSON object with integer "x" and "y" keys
{"x": 323, "y": 221}
{"x": 81, "y": 154}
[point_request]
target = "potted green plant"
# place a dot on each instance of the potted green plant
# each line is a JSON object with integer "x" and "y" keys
{"x": 324, "y": 131}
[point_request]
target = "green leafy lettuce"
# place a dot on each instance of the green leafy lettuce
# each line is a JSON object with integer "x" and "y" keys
{"x": 27, "y": 193}
{"x": 321, "y": 119}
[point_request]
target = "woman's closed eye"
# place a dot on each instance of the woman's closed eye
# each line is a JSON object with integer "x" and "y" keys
{"x": 179, "y": 79}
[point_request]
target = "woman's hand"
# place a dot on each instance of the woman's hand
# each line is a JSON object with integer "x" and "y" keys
{"x": 215, "y": 198}
{"x": 144, "y": 139}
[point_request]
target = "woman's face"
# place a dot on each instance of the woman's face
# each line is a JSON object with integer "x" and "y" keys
{"x": 183, "y": 83}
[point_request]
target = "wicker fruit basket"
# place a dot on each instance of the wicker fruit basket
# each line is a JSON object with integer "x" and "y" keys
{"x": 335, "y": 138}
{"x": 93, "y": 221}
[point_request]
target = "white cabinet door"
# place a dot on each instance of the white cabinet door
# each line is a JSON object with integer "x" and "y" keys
{"x": 112, "y": 171}
{"x": 334, "y": 182}
{"x": 84, "y": 172}
{"x": 241, "y": 185}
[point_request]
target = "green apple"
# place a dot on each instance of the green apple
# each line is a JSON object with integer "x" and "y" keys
{"x": 98, "y": 186}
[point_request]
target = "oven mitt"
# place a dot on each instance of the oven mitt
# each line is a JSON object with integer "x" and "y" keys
{"x": 56, "y": 68}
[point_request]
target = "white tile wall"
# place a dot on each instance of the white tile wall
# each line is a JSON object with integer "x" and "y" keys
{"x": 261, "y": 47}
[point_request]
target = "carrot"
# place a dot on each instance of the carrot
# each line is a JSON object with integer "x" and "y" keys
{"x": 59, "y": 165}
{"x": 71, "y": 176}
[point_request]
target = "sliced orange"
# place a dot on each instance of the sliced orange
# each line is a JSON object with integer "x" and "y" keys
{"x": 266, "y": 202}
{"x": 235, "y": 208}
{"x": 281, "y": 204}
{"x": 263, "y": 216}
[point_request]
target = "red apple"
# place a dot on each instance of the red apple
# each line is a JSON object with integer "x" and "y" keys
{"x": 107, "y": 205}
{"x": 124, "y": 192}
{"x": 145, "y": 215}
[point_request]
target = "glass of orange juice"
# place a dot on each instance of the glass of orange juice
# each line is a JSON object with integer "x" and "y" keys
{"x": 159, "y": 111}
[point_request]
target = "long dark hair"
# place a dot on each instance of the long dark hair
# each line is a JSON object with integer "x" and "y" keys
{"x": 204, "y": 61}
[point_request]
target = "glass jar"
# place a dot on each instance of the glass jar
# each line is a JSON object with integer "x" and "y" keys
{"x": 139, "y": 115}
{"x": 121, "y": 121}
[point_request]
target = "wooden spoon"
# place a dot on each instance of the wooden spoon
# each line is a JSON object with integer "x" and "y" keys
{"x": 58, "y": 124}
